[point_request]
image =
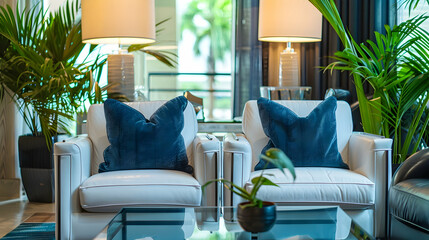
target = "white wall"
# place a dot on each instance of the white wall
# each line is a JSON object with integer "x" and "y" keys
{"x": 10, "y": 129}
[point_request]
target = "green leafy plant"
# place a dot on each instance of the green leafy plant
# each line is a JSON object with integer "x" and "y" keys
{"x": 44, "y": 69}
{"x": 273, "y": 155}
{"x": 396, "y": 67}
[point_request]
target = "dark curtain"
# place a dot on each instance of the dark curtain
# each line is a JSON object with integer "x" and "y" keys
{"x": 361, "y": 18}
{"x": 248, "y": 55}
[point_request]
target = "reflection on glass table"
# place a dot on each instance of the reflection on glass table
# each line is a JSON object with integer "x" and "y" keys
{"x": 286, "y": 93}
{"x": 293, "y": 222}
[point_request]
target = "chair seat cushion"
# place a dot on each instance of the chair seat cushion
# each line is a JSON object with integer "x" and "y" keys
{"x": 409, "y": 201}
{"x": 318, "y": 186}
{"x": 111, "y": 191}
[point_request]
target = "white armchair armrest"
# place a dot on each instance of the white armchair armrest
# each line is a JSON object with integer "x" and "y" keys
{"x": 370, "y": 155}
{"x": 207, "y": 166}
{"x": 72, "y": 166}
{"x": 367, "y": 154}
{"x": 237, "y": 161}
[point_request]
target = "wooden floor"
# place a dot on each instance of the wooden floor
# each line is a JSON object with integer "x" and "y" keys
{"x": 41, "y": 218}
{"x": 15, "y": 212}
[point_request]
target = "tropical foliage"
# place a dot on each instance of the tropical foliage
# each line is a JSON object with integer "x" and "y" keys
{"x": 396, "y": 66}
{"x": 272, "y": 155}
{"x": 43, "y": 67}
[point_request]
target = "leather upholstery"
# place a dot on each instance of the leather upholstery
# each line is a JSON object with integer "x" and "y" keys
{"x": 207, "y": 167}
{"x": 96, "y": 125}
{"x": 416, "y": 166}
{"x": 78, "y": 158}
{"x": 252, "y": 127}
{"x": 72, "y": 161}
{"x": 318, "y": 186}
{"x": 409, "y": 198}
{"x": 111, "y": 191}
{"x": 409, "y": 201}
{"x": 367, "y": 156}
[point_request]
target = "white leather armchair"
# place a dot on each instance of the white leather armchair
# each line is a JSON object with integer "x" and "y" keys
{"x": 360, "y": 191}
{"x": 85, "y": 200}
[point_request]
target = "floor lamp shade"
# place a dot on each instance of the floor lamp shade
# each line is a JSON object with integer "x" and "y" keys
{"x": 289, "y": 21}
{"x": 118, "y": 22}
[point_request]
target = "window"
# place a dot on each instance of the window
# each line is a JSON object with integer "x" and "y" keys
{"x": 199, "y": 33}
{"x": 422, "y": 8}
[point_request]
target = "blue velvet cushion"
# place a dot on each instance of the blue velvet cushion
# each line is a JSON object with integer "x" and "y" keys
{"x": 308, "y": 141}
{"x": 139, "y": 143}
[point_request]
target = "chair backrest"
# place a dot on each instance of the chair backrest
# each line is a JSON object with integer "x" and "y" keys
{"x": 252, "y": 126}
{"x": 96, "y": 127}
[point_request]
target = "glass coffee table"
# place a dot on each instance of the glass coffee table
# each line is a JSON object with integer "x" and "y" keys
{"x": 220, "y": 223}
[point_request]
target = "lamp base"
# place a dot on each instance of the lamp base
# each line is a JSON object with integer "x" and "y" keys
{"x": 289, "y": 68}
{"x": 120, "y": 76}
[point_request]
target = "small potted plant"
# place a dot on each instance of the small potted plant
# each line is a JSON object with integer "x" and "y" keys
{"x": 255, "y": 215}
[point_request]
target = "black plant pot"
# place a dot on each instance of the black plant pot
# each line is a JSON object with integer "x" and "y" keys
{"x": 37, "y": 168}
{"x": 254, "y": 219}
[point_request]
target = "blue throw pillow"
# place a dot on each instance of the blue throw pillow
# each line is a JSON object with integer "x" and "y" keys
{"x": 308, "y": 141}
{"x": 139, "y": 143}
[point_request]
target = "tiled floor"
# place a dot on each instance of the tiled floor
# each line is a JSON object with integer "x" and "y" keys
{"x": 14, "y": 212}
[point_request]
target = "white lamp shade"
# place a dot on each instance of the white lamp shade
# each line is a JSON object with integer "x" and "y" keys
{"x": 289, "y": 21}
{"x": 118, "y": 21}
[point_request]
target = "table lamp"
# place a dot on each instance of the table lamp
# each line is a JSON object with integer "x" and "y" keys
{"x": 289, "y": 21}
{"x": 122, "y": 22}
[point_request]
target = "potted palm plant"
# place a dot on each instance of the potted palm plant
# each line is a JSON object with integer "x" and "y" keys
{"x": 43, "y": 68}
{"x": 51, "y": 74}
{"x": 396, "y": 66}
{"x": 255, "y": 215}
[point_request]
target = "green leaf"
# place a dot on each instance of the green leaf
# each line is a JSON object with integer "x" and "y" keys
{"x": 250, "y": 204}
{"x": 263, "y": 180}
{"x": 280, "y": 160}
{"x": 40, "y": 68}
{"x": 394, "y": 66}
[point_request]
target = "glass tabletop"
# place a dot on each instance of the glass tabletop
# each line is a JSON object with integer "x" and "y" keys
{"x": 221, "y": 223}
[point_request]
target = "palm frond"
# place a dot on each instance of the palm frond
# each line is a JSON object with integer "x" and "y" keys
{"x": 40, "y": 66}
{"x": 395, "y": 64}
